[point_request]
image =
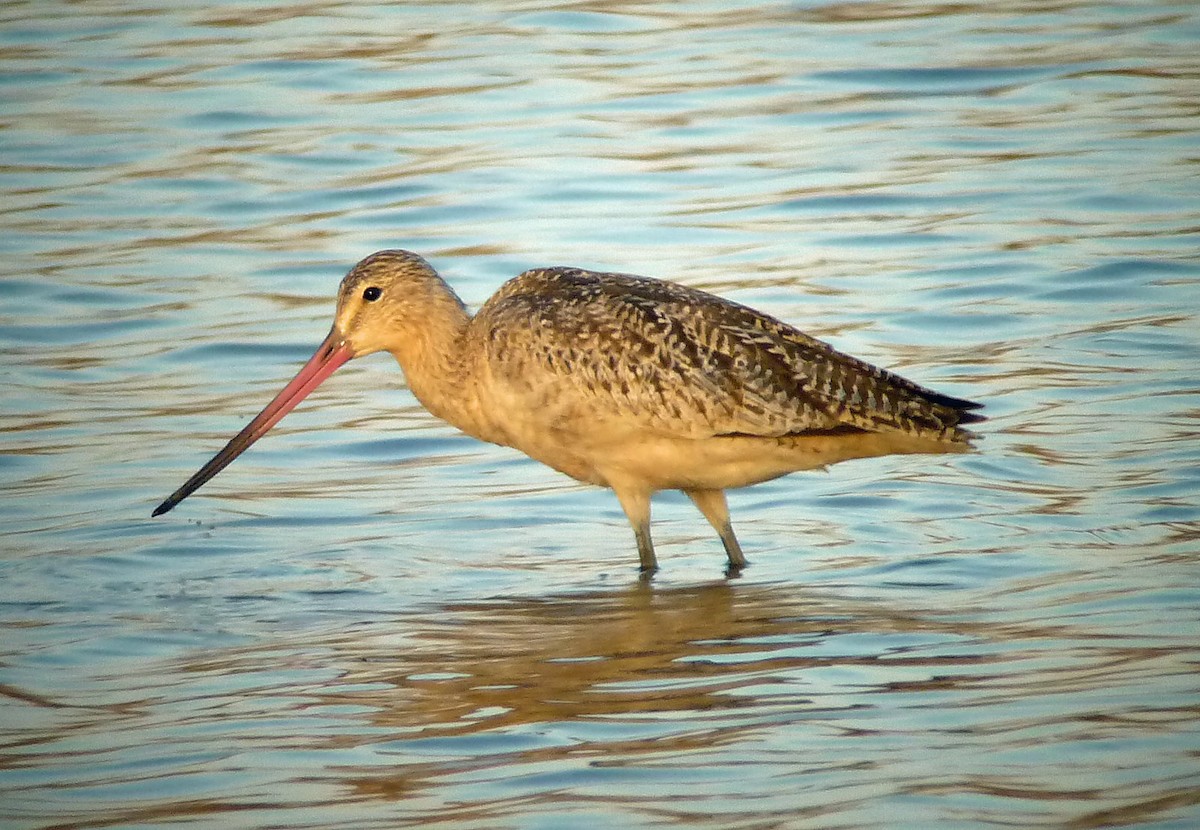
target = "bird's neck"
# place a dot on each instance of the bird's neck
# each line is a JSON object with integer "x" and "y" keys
{"x": 437, "y": 365}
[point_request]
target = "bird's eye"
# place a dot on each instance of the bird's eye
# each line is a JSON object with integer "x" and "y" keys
{"x": 372, "y": 293}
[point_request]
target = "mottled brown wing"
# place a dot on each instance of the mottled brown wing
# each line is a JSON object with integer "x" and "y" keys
{"x": 693, "y": 364}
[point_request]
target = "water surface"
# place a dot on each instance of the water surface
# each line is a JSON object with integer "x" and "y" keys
{"x": 372, "y": 621}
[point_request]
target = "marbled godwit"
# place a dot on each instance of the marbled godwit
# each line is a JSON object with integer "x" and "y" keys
{"x": 622, "y": 381}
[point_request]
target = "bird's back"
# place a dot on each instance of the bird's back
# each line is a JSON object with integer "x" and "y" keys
{"x": 687, "y": 363}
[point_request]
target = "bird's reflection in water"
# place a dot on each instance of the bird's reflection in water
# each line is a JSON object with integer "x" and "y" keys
{"x": 462, "y": 668}
{"x": 438, "y": 708}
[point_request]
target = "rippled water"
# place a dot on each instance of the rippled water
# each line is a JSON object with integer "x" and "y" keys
{"x": 372, "y": 621}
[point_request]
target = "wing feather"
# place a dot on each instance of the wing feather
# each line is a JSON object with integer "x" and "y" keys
{"x": 689, "y": 363}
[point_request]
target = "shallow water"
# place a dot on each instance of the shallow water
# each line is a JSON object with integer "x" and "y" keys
{"x": 372, "y": 621}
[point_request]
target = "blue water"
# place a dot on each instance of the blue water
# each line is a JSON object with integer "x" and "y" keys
{"x": 370, "y": 620}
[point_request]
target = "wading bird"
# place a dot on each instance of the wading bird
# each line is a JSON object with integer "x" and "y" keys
{"x": 626, "y": 382}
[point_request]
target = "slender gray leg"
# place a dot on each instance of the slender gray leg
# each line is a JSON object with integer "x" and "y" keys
{"x": 712, "y": 504}
{"x": 636, "y": 504}
{"x": 648, "y": 561}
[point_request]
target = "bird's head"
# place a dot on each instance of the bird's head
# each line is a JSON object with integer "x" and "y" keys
{"x": 381, "y": 302}
{"x": 388, "y": 298}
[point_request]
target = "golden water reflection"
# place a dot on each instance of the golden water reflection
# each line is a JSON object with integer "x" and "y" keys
{"x": 461, "y": 699}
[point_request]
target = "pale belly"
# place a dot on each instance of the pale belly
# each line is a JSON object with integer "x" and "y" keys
{"x": 610, "y": 450}
{"x": 658, "y": 462}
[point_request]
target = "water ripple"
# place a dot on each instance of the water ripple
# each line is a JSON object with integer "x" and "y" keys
{"x": 371, "y": 620}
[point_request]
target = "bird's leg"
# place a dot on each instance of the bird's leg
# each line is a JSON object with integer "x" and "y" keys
{"x": 636, "y": 504}
{"x": 712, "y": 504}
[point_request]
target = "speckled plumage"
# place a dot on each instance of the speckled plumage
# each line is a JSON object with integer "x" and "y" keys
{"x": 622, "y": 381}
{"x": 693, "y": 364}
